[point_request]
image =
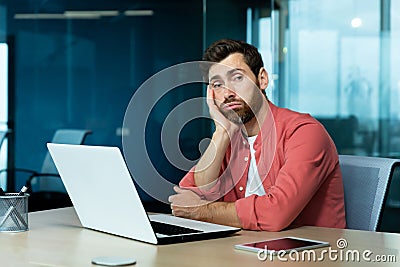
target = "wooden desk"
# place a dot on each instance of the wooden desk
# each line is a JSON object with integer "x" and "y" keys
{"x": 56, "y": 238}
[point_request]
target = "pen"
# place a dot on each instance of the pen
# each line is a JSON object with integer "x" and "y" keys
{"x": 23, "y": 190}
{"x": 21, "y": 219}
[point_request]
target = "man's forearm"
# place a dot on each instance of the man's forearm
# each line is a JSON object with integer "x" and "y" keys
{"x": 221, "y": 213}
{"x": 209, "y": 165}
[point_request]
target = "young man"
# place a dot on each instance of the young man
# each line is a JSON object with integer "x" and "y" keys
{"x": 266, "y": 167}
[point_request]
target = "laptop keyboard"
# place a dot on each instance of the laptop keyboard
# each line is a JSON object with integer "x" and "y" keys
{"x": 169, "y": 229}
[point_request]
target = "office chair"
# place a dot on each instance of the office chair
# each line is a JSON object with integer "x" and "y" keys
{"x": 391, "y": 212}
{"x": 49, "y": 170}
{"x": 45, "y": 187}
{"x": 366, "y": 181}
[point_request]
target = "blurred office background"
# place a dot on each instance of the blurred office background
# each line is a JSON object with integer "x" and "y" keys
{"x": 77, "y": 63}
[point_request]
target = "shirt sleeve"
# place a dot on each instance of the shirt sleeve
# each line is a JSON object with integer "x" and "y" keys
{"x": 188, "y": 179}
{"x": 309, "y": 157}
{"x": 210, "y": 192}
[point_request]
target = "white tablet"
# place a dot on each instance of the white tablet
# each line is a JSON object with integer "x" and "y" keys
{"x": 273, "y": 246}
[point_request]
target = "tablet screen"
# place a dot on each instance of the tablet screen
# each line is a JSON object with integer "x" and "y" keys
{"x": 286, "y": 243}
{"x": 283, "y": 244}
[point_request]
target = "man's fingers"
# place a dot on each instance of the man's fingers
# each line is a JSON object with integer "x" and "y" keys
{"x": 211, "y": 98}
{"x": 171, "y": 198}
{"x": 176, "y": 188}
{"x": 179, "y": 190}
{"x": 180, "y": 211}
{"x": 177, "y": 201}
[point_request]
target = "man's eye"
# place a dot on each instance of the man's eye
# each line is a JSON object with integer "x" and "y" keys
{"x": 238, "y": 77}
{"x": 216, "y": 85}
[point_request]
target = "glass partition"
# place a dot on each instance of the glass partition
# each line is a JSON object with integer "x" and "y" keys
{"x": 343, "y": 69}
{"x": 78, "y": 63}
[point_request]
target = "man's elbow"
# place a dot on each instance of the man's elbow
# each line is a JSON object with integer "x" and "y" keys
{"x": 274, "y": 227}
{"x": 270, "y": 227}
{"x": 276, "y": 224}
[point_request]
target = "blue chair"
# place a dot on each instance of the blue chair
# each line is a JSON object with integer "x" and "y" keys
{"x": 45, "y": 186}
{"x": 366, "y": 182}
{"x": 44, "y": 180}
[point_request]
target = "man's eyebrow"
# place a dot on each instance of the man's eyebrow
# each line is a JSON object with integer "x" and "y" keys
{"x": 236, "y": 69}
{"x": 217, "y": 76}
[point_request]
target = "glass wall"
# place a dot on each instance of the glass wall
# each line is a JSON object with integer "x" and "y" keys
{"x": 78, "y": 63}
{"x": 338, "y": 60}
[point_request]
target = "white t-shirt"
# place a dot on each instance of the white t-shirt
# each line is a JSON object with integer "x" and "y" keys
{"x": 254, "y": 184}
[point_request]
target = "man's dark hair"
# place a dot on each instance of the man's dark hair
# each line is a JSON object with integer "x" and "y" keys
{"x": 221, "y": 49}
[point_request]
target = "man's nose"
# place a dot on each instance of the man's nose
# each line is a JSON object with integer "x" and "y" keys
{"x": 229, "y": 91}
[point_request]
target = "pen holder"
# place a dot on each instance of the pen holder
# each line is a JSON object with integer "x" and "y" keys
{"x": 14, "y": 212}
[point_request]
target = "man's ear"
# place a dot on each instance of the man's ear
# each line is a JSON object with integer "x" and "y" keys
{"x": 263, "y": 78}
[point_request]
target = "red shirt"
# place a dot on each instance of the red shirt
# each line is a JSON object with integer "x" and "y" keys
{"x": 299, "y": 167}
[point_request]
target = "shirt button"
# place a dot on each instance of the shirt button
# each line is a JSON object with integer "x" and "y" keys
{"x": 246, "y": 158}
{"x": 244, "y": 142}
{"x": 241, "y": 188}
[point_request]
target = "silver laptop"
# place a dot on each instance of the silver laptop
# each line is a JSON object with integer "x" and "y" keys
{"x": 105, "y": 198}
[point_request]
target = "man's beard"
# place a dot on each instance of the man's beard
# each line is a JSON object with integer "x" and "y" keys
{"x": 242, "y": 115}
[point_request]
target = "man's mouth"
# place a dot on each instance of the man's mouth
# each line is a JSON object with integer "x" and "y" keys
{"x": 232, "y": 105}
